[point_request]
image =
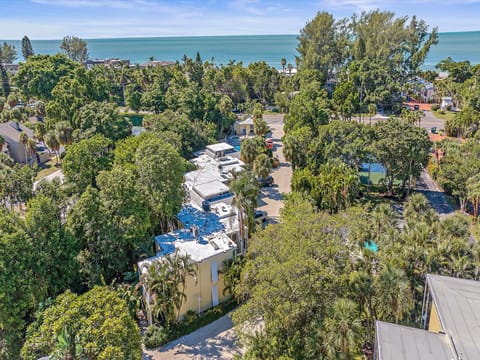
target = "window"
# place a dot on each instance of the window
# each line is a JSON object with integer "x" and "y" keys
{"x": 214, "y": 271}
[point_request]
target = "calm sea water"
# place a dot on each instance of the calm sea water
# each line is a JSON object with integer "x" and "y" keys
{"x": 270, "y": 48}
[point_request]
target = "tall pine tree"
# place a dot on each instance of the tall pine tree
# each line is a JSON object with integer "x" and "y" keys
{"x": 27, "y": 49}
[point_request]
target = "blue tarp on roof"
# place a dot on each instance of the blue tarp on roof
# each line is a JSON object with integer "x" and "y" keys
{"x": 189, "y": 216}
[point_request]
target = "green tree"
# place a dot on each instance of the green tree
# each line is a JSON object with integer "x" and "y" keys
{"x": 322, "y": 45}
{"x": 402, "y": 148}
{"x": 55, "y": 251}
{"x": 250, "y": 148}
{"x": 8, "y": 53}
{"x": 27, "y": 49}
{"x": 101, "y": 118}
{"x": 296, "y": 146}
{"x": 160, "y": 170}
{"x": 245, "y": 188}
{"x": 93, "y": 325}
{"x": 85, "y": 159}
{"x": 39, "y": 75}
{"x": 5, "y": 82}
{"x": 75, "y": 48}
{"x": 394, "y": 294}
{"x": 308, "y": 108}
{"x": 19, "y": 286}
{"x": 53, "y": 144}
{"x": 473, "y": 193}
{"x": 343, "y": 330}
{"x": 165, "y": 281}
{"x": 283, "y": 62}
{"x": 288, "y": 281}
{"x": 262, "y": 166}
{"x": 346, "y": 100}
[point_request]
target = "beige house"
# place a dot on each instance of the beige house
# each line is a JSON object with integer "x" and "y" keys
{"x": 245, "y": 127}
{"x": 10, "y": 132}
{"x": 208, "y": 252}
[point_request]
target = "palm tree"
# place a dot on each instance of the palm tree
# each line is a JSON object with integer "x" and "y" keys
{"x": 40, "y": 131}
{"x": 53, "y": 144}
{"x": 40, "y": 109}
{"x": 262, "y": 166}
{"x": 394, "y": 293}
{"x": 290, "y": 68}
{"x": 249, "y": 151}
{"x": 473, "y": 193}
{"x": 283, "y": 62}
{"x": 63, "y": 131}
{"x": 343, "y": 330}
{"x": 165, "y": 281}
{"x": 24, "y": 140}
{"x": 246, "y": 188}
{"x": 260, "y": 127}
{"x": 31, "y": 150}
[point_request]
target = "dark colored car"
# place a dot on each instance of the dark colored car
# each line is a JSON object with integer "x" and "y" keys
{"x": 260, "y": 217}
{"x": 416, "y": 107}
{"x": 268, "y": 181}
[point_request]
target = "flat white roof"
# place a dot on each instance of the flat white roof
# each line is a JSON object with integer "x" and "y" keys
{"x": 220, "y": 147}
{"x": 197, "y": 248}
{"x": 212, "y": 188}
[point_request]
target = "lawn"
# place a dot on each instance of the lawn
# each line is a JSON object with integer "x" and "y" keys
{"x": 447, "y": 116}
{"x": 375, "y": 177}
{"x": 47, "y": 169}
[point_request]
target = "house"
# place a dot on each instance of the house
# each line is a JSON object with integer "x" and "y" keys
{"x": 446, "y": 103}
{"x": 10, "y": 131}
{"x": 207, "y": 251}
{"x": 245, "y": 127}
{"x": 11, "y": 68}
{"x": 450, "y": 321}
{"x": 219, "y": 150}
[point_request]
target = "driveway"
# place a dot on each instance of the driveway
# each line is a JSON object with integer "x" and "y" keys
{"x": 213, "y": 341}
{"x": 271, "y": 198}
{"x": 436, "y": 197}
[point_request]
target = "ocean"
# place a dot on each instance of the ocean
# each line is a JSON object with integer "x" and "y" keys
{"x": 247, "y": 49}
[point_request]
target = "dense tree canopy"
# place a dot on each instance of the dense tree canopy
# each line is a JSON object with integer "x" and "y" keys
{"x": 95, "y": 325}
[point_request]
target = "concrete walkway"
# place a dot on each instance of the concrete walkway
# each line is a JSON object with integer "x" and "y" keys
{"x": 213, "y": 341}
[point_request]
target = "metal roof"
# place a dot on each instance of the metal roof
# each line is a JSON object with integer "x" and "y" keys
{"x": 403, "y": 342}
{"x": 458, "y": 306}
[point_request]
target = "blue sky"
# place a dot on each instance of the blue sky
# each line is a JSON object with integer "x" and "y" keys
{"x": 53, "y": 19}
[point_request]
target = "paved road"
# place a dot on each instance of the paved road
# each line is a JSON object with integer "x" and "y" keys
{"x": 271, "y": 198}
{"x": 437, "y": 199}
{"x": 427, "y": 122}
{"x": 213, "y": 341}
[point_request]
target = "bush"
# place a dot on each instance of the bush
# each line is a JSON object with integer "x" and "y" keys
{"x": 435, "y": 107}
{"x": 155, "y": 336}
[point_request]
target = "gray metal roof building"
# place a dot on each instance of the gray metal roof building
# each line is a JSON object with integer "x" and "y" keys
{"x": 403, "y": 342}
{"x": 454, "y": 304}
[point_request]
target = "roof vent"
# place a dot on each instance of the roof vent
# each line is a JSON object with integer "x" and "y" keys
{"x": 195, "y": 231}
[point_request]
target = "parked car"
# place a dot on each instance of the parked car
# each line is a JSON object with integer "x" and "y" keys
{"x": 416, "y": 107}
{"x": 268, "y": 181}
{"x": 269, "y": 144}
{"x": 260, "y": 217}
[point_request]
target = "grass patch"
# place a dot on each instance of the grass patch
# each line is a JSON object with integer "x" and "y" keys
{"x": 157, "y": 335}
{"x": 449, "y": 115}
{"x": 375, "y": 177}
{"x": 47, "y": 169}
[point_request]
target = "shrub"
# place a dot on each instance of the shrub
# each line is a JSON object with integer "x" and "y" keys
{"x": 155, "y": 336}
{"x": 435, "y": 107}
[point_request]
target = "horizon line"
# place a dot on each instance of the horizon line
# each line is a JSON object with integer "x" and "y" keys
{"x": 199, "y": 36}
